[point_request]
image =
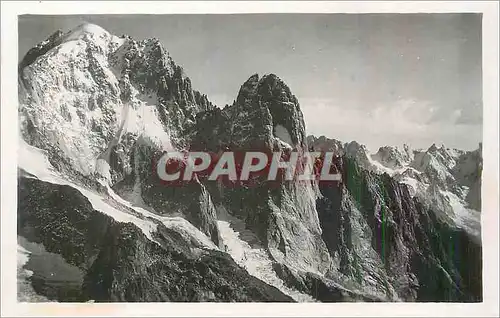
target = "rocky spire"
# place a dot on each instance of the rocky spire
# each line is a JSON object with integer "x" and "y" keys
{"x": 273, "y": 111}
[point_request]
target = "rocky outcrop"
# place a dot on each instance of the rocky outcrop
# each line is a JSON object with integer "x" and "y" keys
{"x": 267, "y": 117}
{"x": 325, "y": 144}
{"x": 467, "y": 171}
{"x": 189, "y": 200}
{"x": 393, "y": 157}
{"x": 320, "y": 288}
{"x": 264, "y": 115}
{"x": 118, "y": 261}
{"x": 409, "y": 244}
{"x": 422, "y": 252}
{"x": 150, "y": 69}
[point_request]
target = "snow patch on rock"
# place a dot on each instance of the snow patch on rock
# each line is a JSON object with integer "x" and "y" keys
{"x": 188, "y": 231}
{"x": 247, "y": 251}
{"x": 34, "y": 161}
{"x": 468, "y": 219}
{"x": 283, "y": 135}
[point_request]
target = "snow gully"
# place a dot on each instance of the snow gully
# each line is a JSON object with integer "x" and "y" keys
{"x": 246, "y": 168}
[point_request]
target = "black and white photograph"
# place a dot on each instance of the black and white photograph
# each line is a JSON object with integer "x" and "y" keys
{"x": 250, "y": 158}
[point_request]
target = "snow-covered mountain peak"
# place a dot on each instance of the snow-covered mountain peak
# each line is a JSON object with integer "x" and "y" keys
{"x": 87, "y": 38}
{"x": 86, "y": 29}
{"x": 393, "y": 157}
{"x": 448, "y": 179}
{"x": 323, "y": 143}
{"x": 432, "y": 148}
{"x": 357, "y": 151}
{"x": 85, "y": 89}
